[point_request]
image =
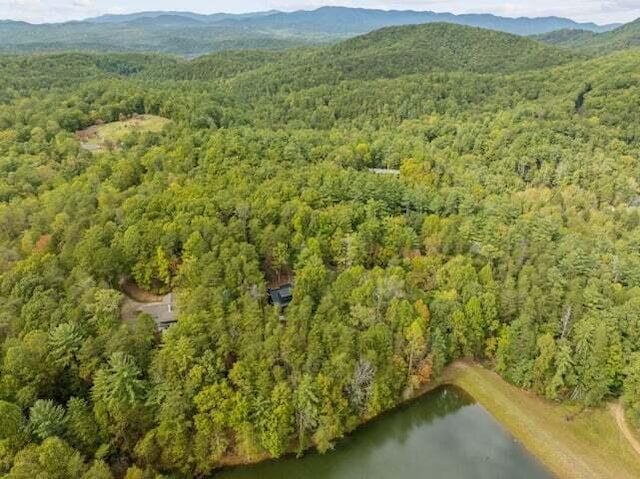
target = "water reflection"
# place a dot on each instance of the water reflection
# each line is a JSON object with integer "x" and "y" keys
{"x": 444, "y": 435}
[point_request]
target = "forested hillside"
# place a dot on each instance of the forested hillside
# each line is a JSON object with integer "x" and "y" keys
{"x": 191, "y": 34}
{"x": 622, "y": 38}
{"x": 511, "y": 235}
{"x": 171, "y": 35}
{"x": 396, "y": 51}
{"x": 385, "y": 53}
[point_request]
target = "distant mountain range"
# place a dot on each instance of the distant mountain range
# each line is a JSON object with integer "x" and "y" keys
{"x": 345, "y": 20}
{"x": 198, "y": 17}
{"x": 188, "y": 34}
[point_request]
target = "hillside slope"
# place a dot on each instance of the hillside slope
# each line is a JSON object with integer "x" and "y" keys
{"x": 386, "y": 53}
{"x": 397, "y": 51}
{"x": 173, "y": 34}
{"x": 622, "y": 38}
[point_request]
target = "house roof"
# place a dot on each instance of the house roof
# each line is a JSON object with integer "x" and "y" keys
{"x": 163, "y": 313}
{"x": 281, "y": 296}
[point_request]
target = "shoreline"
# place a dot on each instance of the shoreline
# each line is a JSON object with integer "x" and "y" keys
{"x": 590, "y": 446}
{"x": 233, "y": 461}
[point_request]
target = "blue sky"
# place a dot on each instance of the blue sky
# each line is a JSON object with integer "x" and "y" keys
{"x": 600, "y": 11}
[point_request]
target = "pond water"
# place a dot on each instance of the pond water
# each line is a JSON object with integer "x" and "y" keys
{"x": 443, "y": 435}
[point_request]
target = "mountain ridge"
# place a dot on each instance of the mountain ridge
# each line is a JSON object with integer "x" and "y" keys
{"x": 386, "y": 53}
{"x": 448, "y": 47}
{"x": 429, "y": 15}
{"x": 622, "y": 38}
{"x": 518, "y": 25}
{"x": 191, "y": 34}
{"x": 213, "y": 17}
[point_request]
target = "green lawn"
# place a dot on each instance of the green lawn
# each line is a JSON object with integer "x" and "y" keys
{"x": 589, "y": 446}
{"x": 109, "y": 135}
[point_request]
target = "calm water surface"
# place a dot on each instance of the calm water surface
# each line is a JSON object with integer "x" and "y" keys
{"x": 443, "y": 435}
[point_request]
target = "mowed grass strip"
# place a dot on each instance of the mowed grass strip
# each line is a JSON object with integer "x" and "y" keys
{"x": 589, "y": 446}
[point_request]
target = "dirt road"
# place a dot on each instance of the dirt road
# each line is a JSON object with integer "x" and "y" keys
{"x": 618, "y": 412}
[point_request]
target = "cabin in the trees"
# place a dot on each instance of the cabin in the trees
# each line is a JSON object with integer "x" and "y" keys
{"x": 281, "y": 296}
{"x": 163, "y": 313}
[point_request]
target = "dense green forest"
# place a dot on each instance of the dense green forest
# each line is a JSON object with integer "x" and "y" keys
{"x": 191, "y": 34}
{"x": 511, "y": 235}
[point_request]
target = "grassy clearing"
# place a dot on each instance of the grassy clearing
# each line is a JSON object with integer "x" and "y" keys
{"x": 109, "y": 135}
{"x": 590, "y": 446}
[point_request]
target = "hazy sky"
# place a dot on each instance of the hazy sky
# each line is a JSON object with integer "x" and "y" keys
{"x": 600, "y": 11}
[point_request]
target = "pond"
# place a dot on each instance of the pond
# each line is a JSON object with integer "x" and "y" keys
{"x": 443, "y": 435}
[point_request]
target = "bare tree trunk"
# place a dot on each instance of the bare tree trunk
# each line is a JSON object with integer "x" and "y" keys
{"x": 566, "y": 320}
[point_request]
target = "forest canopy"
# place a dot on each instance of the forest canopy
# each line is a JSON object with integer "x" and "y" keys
{"x": 510, "y": 236}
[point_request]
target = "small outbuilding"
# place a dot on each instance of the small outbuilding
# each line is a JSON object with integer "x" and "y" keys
{"x": 281, "y": 296}
{"x": 385, "y": 171}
